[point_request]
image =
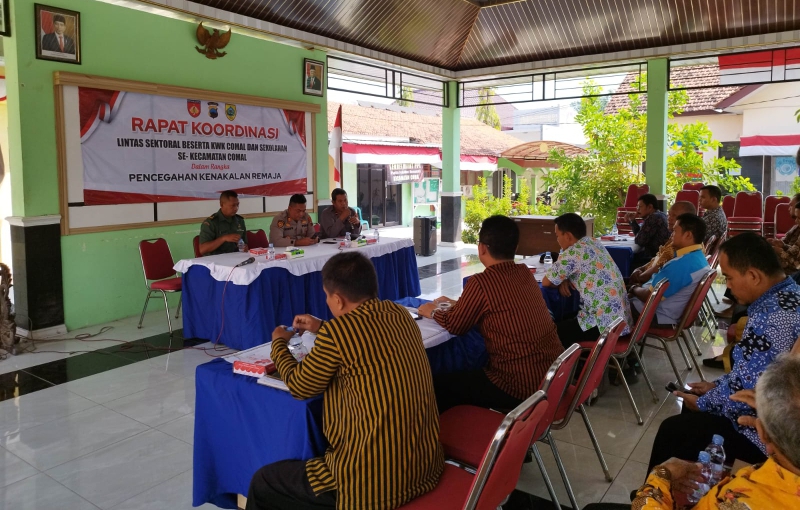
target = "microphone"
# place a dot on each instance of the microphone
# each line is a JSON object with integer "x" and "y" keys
{"x": 245, "y": 262}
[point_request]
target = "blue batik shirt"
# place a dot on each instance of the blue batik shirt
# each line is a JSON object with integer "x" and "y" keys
{"x": 773, "y": 326}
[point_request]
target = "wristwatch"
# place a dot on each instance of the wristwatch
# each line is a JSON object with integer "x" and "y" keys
{"x": 663, "y": 473}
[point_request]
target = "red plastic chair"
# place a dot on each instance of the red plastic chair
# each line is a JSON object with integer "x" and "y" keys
{"x": 631, "y": 199}
{"x": 783, "y": 220}
{"x": 196, "y": 246}
{"x": 626, "y": 345}
{"x": 770, "y": 207}
{"x": 257, "y": 239}
{"x": 577, "y": 394}
{"x": 693, "y": 186}
{"x": 748, "y": 215}
{"x": 728, "y": 204}
{"x": 159, "y": 276}
{"x": 690, "y": 313}
{"x": 499, "y": 468}
{"x": 691, "y": 196}
{"x": 464, "y": 431}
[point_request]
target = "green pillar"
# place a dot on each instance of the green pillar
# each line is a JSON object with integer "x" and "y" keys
{"x": 656, "y": 168}
{"x": 451, "y": 168}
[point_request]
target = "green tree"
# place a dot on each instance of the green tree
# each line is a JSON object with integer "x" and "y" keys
{"x": 595, "y": 184}
{"x": 685, "y": 161}
{"x": 486, "y": 112}
{"x": 406, "y": 96}
{"x": 483, "y": 204}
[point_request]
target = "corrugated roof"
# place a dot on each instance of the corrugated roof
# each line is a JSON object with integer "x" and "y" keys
{"x": 700, "y": 100}
{"x": 476, "y": 137}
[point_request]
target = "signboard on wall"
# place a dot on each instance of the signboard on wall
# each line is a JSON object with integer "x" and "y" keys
{"x": 427, "y": 191}
{"x": 785, "y": 168}
{"x": 143, "y": 148}
{"x": 401, "y": 173}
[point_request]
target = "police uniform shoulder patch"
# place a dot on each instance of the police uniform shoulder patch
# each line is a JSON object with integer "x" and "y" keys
{"x": 206, "y": 223}
{"x": 280, "y": 224}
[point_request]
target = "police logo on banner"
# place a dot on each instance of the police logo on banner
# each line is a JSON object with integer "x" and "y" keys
{"x": 194, "y": 106}
{"x": 230, "y": 111}
{"x": 212, "y": 110}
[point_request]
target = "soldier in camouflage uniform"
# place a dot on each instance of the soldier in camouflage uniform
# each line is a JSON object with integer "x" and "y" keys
{"x": 293, "y": 227}
{"x": 221, "y": 231}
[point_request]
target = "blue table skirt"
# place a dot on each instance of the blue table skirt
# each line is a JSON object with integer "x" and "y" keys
{"x": 623, "y": 257}
{"x": 251, "y": 312}
{"x": 241, "y": 426}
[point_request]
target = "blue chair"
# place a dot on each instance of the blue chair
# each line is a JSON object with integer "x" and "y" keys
{"x": 364, "y": 223}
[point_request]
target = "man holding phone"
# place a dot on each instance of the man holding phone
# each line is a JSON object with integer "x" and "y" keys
{"x": 755, "y": 277}
{"x": 339, "y": 219}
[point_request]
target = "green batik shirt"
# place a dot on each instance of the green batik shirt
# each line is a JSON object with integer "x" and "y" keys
{"x": 590, "y": 268}
{"x": 217, "y": 225}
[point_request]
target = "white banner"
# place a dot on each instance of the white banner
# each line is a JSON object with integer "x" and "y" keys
{"x": 146, "y": 148}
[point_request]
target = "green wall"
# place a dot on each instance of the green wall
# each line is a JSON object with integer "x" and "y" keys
{"x": 102, "y": 272}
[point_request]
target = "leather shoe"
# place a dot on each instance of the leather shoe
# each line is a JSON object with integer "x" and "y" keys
{"x": 714, "y": 363}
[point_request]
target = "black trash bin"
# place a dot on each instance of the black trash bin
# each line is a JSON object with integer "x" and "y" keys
{"x": 425, "y": 235}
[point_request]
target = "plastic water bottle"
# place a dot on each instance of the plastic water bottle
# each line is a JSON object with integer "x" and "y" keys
{"x": 297, "y": 348}
{"x": 271, "y": 252}
{"x": 377, "y": 236}
{"x": 717, "y": 453}
{"x": 548, "y": 259}
{"x": 614, "y": 231}
{"x": 241, "y": 244}
{"x": 705, "y": 471}
{"x": 347, "y": 237}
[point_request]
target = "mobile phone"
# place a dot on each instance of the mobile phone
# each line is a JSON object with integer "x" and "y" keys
{"x": 672, "y": 387}
{"x": 315, "y": 235}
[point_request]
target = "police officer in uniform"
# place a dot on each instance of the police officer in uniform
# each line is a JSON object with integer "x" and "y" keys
{"x": 220, "y": 232}
{"x": 293, "y": 227}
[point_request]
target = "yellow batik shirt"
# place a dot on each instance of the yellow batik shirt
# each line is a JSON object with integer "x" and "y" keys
{"x": 762, "y": 487}
{"x": 380, "y": 416}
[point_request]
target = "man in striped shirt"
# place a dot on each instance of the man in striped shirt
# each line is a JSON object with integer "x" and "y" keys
{"x": 379, "y": 413}
{"x": 506, "y": 304}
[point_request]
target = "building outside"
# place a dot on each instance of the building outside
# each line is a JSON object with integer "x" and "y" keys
{"x": 756, "y": 124}
{"x": 391, "y": 159}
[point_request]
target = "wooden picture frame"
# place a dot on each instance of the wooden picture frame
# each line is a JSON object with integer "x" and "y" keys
{"x": 5, "y": 23}
{"x": 313, "y": 77}
{"x": 58, "y": 34}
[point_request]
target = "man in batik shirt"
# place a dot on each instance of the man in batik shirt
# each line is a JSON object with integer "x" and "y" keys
{"x": 755, "y": 277}
{"x": 585, "y": 265}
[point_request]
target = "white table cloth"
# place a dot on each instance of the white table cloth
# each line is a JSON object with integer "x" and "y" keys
{"x": 220, "y": 266}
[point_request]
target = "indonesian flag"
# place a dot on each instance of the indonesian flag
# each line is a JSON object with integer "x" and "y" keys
{"x": 759, "y": 66}
{"x": 335, "y": 152}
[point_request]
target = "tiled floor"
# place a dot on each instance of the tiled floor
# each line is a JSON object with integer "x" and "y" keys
{"x": 122, "y": 438}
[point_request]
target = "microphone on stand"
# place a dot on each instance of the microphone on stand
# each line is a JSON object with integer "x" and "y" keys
{"x": 245, "y": 262}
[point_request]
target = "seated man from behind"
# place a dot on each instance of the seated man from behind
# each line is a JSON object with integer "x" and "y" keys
{"x": 755, "y": 277}
{"x": 683, "y": 272}
{"x": 381, "y": 422}
{"x": 220, "y": 232}
{"x": 653, "y": 232}
{"x": 771, "y": 485}
{"x": 506, "y": 304}
{"x": 585, "y": 265}
{"x": 666, "y": 252}
{"x": 293, "y": 227}
{"x": 339, "y": 219}
{"x": 716, "y": 222}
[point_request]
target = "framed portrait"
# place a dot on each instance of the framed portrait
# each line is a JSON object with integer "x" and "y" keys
{"x": 5, "y": 23}
{"x": 58, "y": 34}
{"x": 313, "y": 77}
